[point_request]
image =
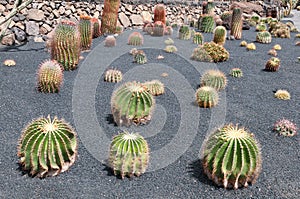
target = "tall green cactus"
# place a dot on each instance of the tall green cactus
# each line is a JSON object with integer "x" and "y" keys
{"x": 65, "y": 44}
{"x": 232, "y": 157}
{"x": 206, "y": 24}
{"x": 110, "y": 16}
{"x": 220, "y": 33}
{"x": 160, "y": 13}
{"x": 47, "y": 147}
{"x": 85, "y": 28}
{"x": 236, "y": 23}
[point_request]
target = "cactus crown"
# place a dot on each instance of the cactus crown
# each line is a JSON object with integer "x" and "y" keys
{"x": 85, "y": 17}
{"x": 155, "y": 87}
{"x": 135, "y": 39}
{"x": 217, "y": 52}
{"x": 207, "y": 96}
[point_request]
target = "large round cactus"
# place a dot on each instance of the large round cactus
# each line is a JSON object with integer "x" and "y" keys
{"x": 232, "y": 157}
{"x": 47, "y": 147}
{"x": 135, "y": 39}
{"x": 129, "y": 154}
{"x": 214, "y": 78}
{"x": 132, "y": 103}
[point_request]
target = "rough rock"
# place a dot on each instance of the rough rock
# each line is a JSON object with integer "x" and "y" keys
{"x": 124, "y": 19}
{"x": 20, "y": 34}
{"x": 136, "y": 20}
{"x": 35, "y": 14}
{"x": 247, "y": 7}
{"x": 32, "y": 28}
{"x": 146, "y": 16}
{"x": 8, "y": 40}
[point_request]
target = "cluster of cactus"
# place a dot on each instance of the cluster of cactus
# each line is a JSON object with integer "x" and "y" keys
{"x": 243, "y": 43}
{"x": 272, "y": 64}
{"x": 170, "y": 49}
{"x": 96, "y": 27}
{"x": 49, "y": 76}
{"x": 280, "y": 30}
{"x": 129, "y": 154}
{"x": 198, "y": 38}
{"x": 282, "y": 94}
{"x": 220, "y": 34}
{"x": 158, "y": 29}
{"x": 135, "y": 39}
{"x": 206, "y": 23}
{"x": 251, "y": 46}
{"x": 285, "y": 127}
{"x": 236, "y": 23}
{"x": 264, "y": 37}
{"x": 160, "y": 13}
{"x": 261, "y": 27}
{"x": 110, "y": 41}
{"x": 113, "y": 75}
{"x": 155, "y": 87}
{"x": 132, "y": 103}
{"x": 85, "y": 29}
{"x": 236, "y": 72}
{"x": 140, "y": 57}
{"x": 200, "y": 54}
{"x": 214, "y": 78}
{"x": 217, "y": 52}
{"x": 232, "y": 157}
{"x": 110, "y": 16}
{"x": 184, "y": 32}
{"x": 47, "y": 147}
{"x": 65, "y": 44}
{"x": 207, "y": 97}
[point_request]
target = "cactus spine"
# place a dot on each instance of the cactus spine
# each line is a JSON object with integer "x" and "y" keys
{"x": 184, "y": 32}
{"x": 215, "y": 79}
{"x": 160, "y": 13}
{"x": 85, "y": 28}
{"x": 236, "y": 23}
{"x": 135, "y": 39}
{"x": 207, "y": 97}
{"x": 110, "y": 16}
{"x": 206, "y": 24}
{"x": 220, "y": 33}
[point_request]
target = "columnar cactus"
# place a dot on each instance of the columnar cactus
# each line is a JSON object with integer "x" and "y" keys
{"x": 217, "y": 52}
{"x": 132, "y": 103}
{"x": 140, "y": 57}
{"x": 285, "y": 127}
{"x": 282, "y": 94}
{"x": 129, "y": 154}
{"x": 206, "y": 24}
{"x": 236, "y": 72}
{"x": 110, "y": 41}
{"x": 232, "y": 157}
{"x": 184, "y": 32}
{"x": 49, "y": 76}
{"x": 168, "y": 30}
{"x": 155, "y": 87}
{"x": 110, "y": 16}
{"x": 158, "y": 29}
{"x": 47, "y": 147}
{"x": 198, "y": 38}
{"x": 135, "y": 39}
{"x": 170, "y": 49}
{"x": 207, "y": 97}
{"x": 160, "y": 13}
{"x": 113, "y": 75}
{"x": 220, "y": 34}
{"x": 214, "y": 78}
{"x": 96, "y": 27}
{"x": 264, "y": 37}
{"x": 85, "y": 29}
{"x": 272, "y": 64}
{"x": 236, "y": 23}
{"x": 65, "y": 44}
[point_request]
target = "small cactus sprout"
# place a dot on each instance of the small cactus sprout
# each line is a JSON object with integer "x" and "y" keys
{"x": 155, "y": 87}
{"x": 207, "y": 97}
{"x": 198, "y": 38}
{"x": 184, "y": 32}
{"x": 232, "y": 157}
{"x": 285, "y": 127}
{"x": 261, "y": 27}
{"x": 282, "y": 94}
{"x": 264, "y": 37}
{"x": 140, "y": 57}
{"x": 47, "y": 147}
{"x": 132, "y": 103}
{"x": 243, "y": 43}
{"x": 214, "y": 78}
{"x": 236, "y": 72}
{"x": 170, "y": 49}
{"x": 96, "y": 27}
{"x": 158, "y": 29}
{"x": 272, "y": 64}
{"x": 220, "y": 33}
{"x": 110, "y": 41}
{"x": 168, "y": 30}
{"x": 272, "y": 52}
{"x": 169, "y": 41}
{"x": 85, "y": 28}
{"x": 251, "y": 46}
{"x": 50, "y": 76}
{"x": 129, "y": 154}
{"x": 277, "y": 47}
{"x": 135, "y": 39}
{"x": 200, "y": 54}
{"x": 113, "y": 75}
{"x": 9, "y": 62}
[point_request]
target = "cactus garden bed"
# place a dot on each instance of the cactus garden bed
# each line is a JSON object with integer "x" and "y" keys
{"x": 248, "y": 101}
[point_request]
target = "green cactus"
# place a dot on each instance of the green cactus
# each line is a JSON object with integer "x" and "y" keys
{"x": 129, "y": 154}
{"x": 232, "y": 157}
{"x": 140, "y": 57}
{"x": 184, "y": 32}
{"x": 236, "y": 72}
{"x": 220, "y": 34}
{"x": 65, "y": 44}
{"x": 158, "y": 29}
{"x": 280, "y": 30}
{"x": 264, "y": 37}
{"x": 113, "y": 75}
{"x": 96, "y": 27}
{"x": 261, "y": 27}
{"x": 135, "y": 39}
{"x": 217, "y": 52}
{"x": 214, "y": 78}
{"x": 272, "y": 64}
{"x": 198, "y": 38}
{"x": 47, "y": 147}
{"x": 110, "y": 41}
{"x": 206, "y": 24}
{"x": 200, "y": 54}
{"x": 170, "y": 49}
{"x": 132, "y": 103}
{"x": 119, "y": 29}
{"x": 255, "y": 18}
{"x": 236, "y": 23}
{"x": 49, "y": 76}
{"x": 282, "y": 94}
{"x": 207, "y": 97}
{"x": 160, "y": 13}
{"x": 155, "y": 87}
{"x": 85, "y": 29}
{"x": 110, "y": 16}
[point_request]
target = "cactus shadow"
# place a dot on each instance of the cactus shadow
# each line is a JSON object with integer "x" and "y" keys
{"x": 195, "y": 169}
{"x": 110, "y": 120}
{"x": 110, "y": 172}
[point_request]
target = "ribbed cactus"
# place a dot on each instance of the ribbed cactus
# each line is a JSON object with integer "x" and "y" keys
{"x": 168, "y": 30}
{"x": 255, "y": 18}
{"x": 206, "y": 24}
{"x": 110, "y": 41}
{"x": 96, "y": 27}
{"x": 214, "y": 78}
{"x": 169, "y": 41}
{"x": 272, "y": 64}
{"x": 132, "y": 103}
{"x": 160, "y": 13}
{"x": 65, "y": 44}
{"x": 236, "y": 72}
{"x": 148, "y": 28}
{"x": 261, "y": 27}
{"x": 282, "y": 94}
{"x": 155, "y": 87}
{"x": 170, "y": 49}
{"x": 200, "y": 54}
{"x": 236, "y": 23}
{"x": 49, "y": 76}
{"x": 198, "y": 38}
{"x": 129, "y": 154}
{"x": 217, "y": 52}
{"x": 113, "y": 75}
{"x": 264, "y": 37}
{"x": 110, "y": 16}
{"x": 47, "y": 147}
{"x": 85, "y": 29}
{"x": 220, "y": 34}
{"x": 140, "y": 57}
{"x": 232, "y": 157}
{"x": 158, "y": 29}
{"x": 184, "y": 32}
{"x": 135, "y": 39}
{"x": 207, "y": 97}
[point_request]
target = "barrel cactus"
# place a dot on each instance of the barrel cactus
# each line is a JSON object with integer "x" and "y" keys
{"x": 110, "y": 41}
{"x": 9, "y": 62}
{"x": 264, "y": 37}
{"x": 217, "y": 52}
{"x": 282, "y": 94}
{"x": 135, "y": 39}
{"x": 85, "y": 28}
{"x": 49, "y": 76}
{"x": 109, "y": 17}
{"x": 132, "y": 103}
{"x": 129, "y": 154}
{"x": 214, "y": 78}
{"x": 184, "y": 32}
{"x": 255, "y": 18}
{"x": 158, "y": 29}
{"x": 220, "y": 33}
{"x": 200, "y": 54}
{"x": 140, "y": 57}
{"x": 272, "y": 52}
{"x": 168, "y": 30}
{"x": 272, "y": 64}
{"x": 207, "y": 97}
{"x": 206, "y": 24}
{"x": 285, "y": 127}
{"x": 96, "y": 27}
{"x": 113, "y": 75}
{"x": 170, "y": 49}
{"x": 160, "y": 13}
{"x": 169, "y": 41}
{"x": 261, "y": 27}
{"x": 236, "y": 72}
{"x": 232, "y": 157}
{"x": 236, "y": 23}
{"x": 155, "y": 87}
{"x": 198, "y": 38}
{"x": 47, "y": 147}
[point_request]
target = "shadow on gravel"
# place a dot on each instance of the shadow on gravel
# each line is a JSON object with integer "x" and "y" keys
{"x": 110, "y": 119}
{"x": 196, "y": 171}
{"x": 18, "y": 48}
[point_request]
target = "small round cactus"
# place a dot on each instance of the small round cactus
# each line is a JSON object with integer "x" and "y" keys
{"x": 264, "y": 37}
{"x": 277, "y": 47}
{"x": 285, "y": 127}
{"x": 110, "y": 41}
{"x": 261, "y": 27}
{"x": 272, "y": 64}
{"x": 184, "y": 32}
{"x": 155, "y": 87}
{"x": 9, "y": 62}
{"x": 282, "y": 94}
{"x": 220, "y": 34}
{"x": 243, "y": 43}
{"x": 140, "y": 57}
{"x": 198, "y": 38}
{"x": 135, "y": 39}
{"x": 200, "y": 54}
{"x": 207, "y": 97}
{"x": 169, "y": 41}
{"x": 170, "y": 49}
{"x": 129, "y": 154}
{"x": 49, "y": 76}
{"x": 236, "y": 72}
{"x": 47, "y": 147}
{"x": 251, "y": 46}
{"x": 113, "y": 75}
{"x": 215, "y": 79}
{"x": 272, "y": 52}
{"x": 132, "y": 103}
